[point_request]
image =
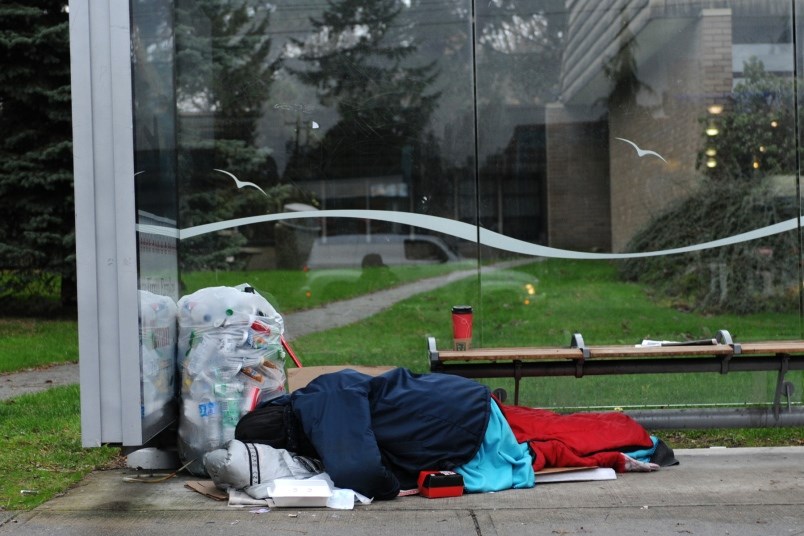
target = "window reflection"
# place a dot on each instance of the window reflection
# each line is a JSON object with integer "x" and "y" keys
{"x": 586, "y": 129}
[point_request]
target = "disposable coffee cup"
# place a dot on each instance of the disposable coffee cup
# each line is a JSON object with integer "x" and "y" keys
{"x": 462, "y": 327}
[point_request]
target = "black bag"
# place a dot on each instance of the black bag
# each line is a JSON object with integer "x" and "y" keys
{"x": 275, "y": 424}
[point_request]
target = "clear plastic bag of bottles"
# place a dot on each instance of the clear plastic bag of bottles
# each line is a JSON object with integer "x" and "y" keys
{"x": 230, "y": 359}
{"x": 158, "y": 354}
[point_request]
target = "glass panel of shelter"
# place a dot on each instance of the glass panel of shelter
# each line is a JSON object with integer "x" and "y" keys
{"x": 554, "y": 144}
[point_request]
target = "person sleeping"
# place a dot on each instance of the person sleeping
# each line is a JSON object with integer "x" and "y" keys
{"x": 374, "y": 434}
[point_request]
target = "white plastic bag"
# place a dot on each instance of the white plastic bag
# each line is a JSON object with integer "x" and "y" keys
{"x": 251, "y": 466}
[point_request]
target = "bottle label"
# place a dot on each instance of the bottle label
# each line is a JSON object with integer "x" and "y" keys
{"x": 207, "y": 409}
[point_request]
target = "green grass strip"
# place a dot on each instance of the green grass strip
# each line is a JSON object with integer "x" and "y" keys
{"x": 40, "y": 448}
{"x": 31, "y": 343}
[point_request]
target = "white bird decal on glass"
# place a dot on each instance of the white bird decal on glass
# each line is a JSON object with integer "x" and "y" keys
{"x": 642, "y": 152}
{"x": 241, "y": 184}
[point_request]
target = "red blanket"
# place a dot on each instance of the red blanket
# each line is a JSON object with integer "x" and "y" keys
{"x": 577, "y": 439}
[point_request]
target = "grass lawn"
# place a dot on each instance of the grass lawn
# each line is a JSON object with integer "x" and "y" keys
{"x": 30, "y": 343}
{"x": 40, "y": 448}
{"x": 571, "y": 297}
{"x": 286, "y": 289}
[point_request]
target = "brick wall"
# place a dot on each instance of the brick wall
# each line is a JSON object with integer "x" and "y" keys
{"x": 578, "y": 210}
{"x": 684, "y": 78}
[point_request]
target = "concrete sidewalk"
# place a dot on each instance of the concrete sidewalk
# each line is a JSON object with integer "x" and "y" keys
{"x": 734, "y": 492}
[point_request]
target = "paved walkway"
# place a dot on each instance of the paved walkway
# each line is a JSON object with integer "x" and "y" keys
{"x": 347, "y": 312}
{"x": 32, "y": 381}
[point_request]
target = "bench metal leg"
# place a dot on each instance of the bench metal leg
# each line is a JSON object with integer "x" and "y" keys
{"x": 780, "y": 383}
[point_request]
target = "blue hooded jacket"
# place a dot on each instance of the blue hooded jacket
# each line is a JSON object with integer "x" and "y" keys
{"x": 374, "y": 434}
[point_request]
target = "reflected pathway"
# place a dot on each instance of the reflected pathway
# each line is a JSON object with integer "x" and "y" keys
{"x": 343, "y": 313}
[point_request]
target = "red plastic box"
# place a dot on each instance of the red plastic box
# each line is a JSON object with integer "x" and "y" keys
{"x": 437, "y": 484}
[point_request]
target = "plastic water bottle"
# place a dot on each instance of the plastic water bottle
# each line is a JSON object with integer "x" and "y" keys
{"x": 201, "y": 389}
{"x": 228, "y": 390}
{"x": 231, "y": 411}
{"x": 200, "y": 313}
{"x": 202, "y": 356}
{"x": 209, "y": 411}
{"x": 225, "y": 367}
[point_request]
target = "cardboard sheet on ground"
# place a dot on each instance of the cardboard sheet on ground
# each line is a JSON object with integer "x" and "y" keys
{"x": 574, "y": 474}
{"x": 300, "y": 377}
{"x": 207, "y": 488}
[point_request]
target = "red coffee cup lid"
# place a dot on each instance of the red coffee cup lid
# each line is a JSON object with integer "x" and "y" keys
{"x": 462, "y": 309}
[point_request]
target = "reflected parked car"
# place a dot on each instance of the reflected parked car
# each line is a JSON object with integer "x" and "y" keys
{"x": 343, "y": 265}
{"x": 357, "y": 251}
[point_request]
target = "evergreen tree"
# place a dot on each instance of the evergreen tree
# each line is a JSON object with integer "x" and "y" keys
{"x": 37, "y": 237}
{"x": 358, "y": 60}
{"x": 223, "y": 81}
{"x": 519, "y": 47}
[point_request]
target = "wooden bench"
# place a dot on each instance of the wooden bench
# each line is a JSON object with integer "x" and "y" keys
{"x": 720, "y": 354}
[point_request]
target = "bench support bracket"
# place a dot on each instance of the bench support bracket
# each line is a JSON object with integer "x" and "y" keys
{"x": 577, "y": 342}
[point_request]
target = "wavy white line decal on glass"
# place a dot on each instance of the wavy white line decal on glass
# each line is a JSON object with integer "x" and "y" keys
{"x": 464, "y": 231}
